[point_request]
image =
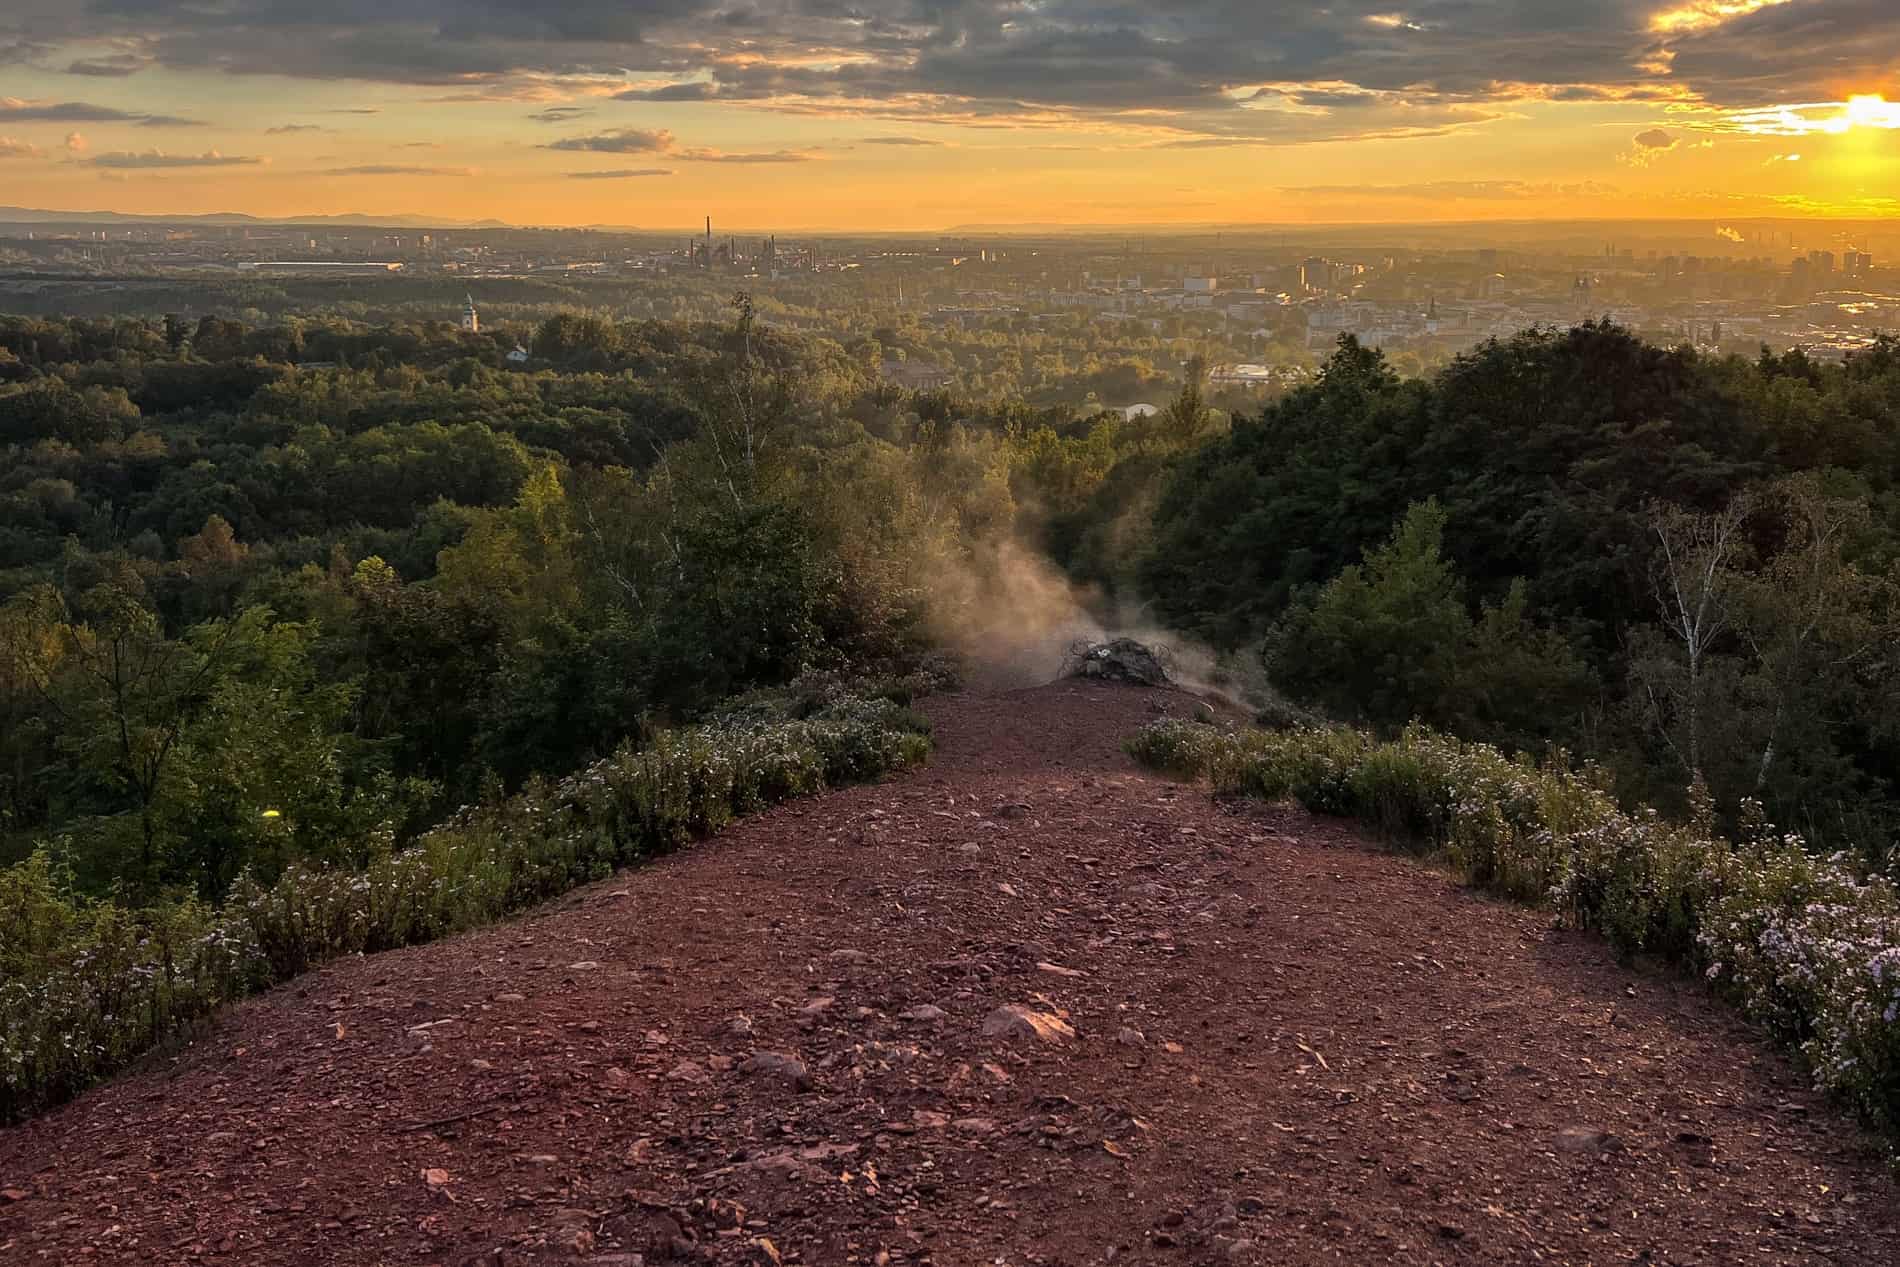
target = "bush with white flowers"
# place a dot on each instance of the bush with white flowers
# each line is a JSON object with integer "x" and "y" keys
{"x": 87, "y": 986}
{"x": 1807, "y": 946}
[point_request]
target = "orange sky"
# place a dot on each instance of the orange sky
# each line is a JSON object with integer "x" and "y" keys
{"x": 916, "y": 115}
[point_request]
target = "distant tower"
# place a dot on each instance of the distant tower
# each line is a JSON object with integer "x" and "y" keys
{"x": 708, "y": 256}
{"x": 471, "y": 320}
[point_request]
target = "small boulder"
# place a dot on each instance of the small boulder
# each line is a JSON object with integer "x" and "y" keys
{"x": 689, "y": 1072}
{"x": 1014, "y": 1022}
{"x": 574, "y": 1231}
{"x": 785, "y": 1068}
{"x": 1587, "y": 1139}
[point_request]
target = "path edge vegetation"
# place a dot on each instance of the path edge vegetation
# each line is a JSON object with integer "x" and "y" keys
{"x": 88, "y": 986}
{"x": 1806, "y": 946}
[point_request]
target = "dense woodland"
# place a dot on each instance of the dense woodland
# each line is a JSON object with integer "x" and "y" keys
{"x": 1042, "y": 357}
{"x": 1681, "y": 568}
{"x": 294, "y": 591}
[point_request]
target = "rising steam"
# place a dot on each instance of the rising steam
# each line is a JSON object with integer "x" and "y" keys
{"x": 1012, "y": 616}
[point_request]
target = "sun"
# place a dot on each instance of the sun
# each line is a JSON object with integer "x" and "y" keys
{"x": 1870, "y": 110}
{"x": 1864, "y": 111}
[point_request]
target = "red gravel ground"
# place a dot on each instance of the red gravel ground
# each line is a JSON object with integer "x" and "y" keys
{"x": 1287, "y": 1048}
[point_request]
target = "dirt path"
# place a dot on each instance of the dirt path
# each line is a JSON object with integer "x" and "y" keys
{"x": 1288, "y": 1049}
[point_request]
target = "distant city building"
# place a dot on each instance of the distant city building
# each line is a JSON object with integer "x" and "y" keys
{"x": 1244, "y": 376}
{"x": 1200, "y": 285}
{"x": 324, "y": 266}
{"x": 916, "y": 376}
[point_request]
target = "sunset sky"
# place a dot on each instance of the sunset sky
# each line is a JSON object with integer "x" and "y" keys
{"x": 919, "y": 114}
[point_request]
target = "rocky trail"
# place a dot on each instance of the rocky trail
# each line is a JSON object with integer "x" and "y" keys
{"x": 1026, "y": 1005}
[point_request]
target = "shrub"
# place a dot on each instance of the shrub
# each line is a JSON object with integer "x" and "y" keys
{"x": 1807, "y": 946}
{"x": 87, "y": 986}
{"x": 1183, "y": 749}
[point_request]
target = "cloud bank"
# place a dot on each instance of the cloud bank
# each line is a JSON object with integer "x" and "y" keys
{"x": 1267, "y": 71}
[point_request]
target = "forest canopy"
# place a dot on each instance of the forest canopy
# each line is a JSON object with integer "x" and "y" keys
{"x": 1681, "y": 567}
{"x": 271, "y": 594}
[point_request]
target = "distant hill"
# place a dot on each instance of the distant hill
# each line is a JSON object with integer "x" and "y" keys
{"x": 32, "y": 215}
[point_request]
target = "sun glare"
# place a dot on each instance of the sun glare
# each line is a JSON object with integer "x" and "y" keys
{"x": 1699, "y": 15}
{"x": 1870, "y": 110}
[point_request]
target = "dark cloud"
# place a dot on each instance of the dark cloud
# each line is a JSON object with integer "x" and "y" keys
{"x": 1805, "y": 51}
{"x": 124, "y": 160}
{"x": 19, "y": 52}
{"x": 117, "y": 66}
{"x": 1655, "y": 139}
{"x": 691, "y": 90}
{"x": 560, "y": 114}
{"x": 901, "y": 140}
{"x": 84, "y": 112}
{"x": 660, "y": 141}
{"x": 1269, "y": 70}
{"x": 619, "y": 141}
{"x": 287, "y": 128}
{"x": 621, "y": 173}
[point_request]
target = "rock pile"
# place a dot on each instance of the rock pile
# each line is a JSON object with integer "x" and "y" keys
{"x": 1117, "y": 660}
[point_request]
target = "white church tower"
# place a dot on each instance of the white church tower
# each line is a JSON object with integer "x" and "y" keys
{"x": 471, "y": 320}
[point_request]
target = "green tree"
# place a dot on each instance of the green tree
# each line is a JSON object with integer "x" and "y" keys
{"x": 1187, "y": 417}
{"x": 125, "y": 694}
{"x": 1381, "y": 642}
{"x": 1394, "y": 640}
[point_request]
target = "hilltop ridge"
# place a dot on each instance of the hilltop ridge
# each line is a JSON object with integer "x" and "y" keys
{"x": 1025, "y": 1005}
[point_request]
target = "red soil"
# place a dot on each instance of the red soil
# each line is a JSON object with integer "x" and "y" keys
{"x": 1288, "y": 1047}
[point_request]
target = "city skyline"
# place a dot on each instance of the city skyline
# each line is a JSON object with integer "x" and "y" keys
{"x": 909, "y": 116}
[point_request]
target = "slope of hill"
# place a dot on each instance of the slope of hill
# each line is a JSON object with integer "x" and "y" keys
{"x": 1239, "y": 1035}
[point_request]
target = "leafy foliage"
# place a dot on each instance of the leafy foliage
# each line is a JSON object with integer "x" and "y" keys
{"x": 1684, "y": 566}
{"x": 87, "y": 985}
